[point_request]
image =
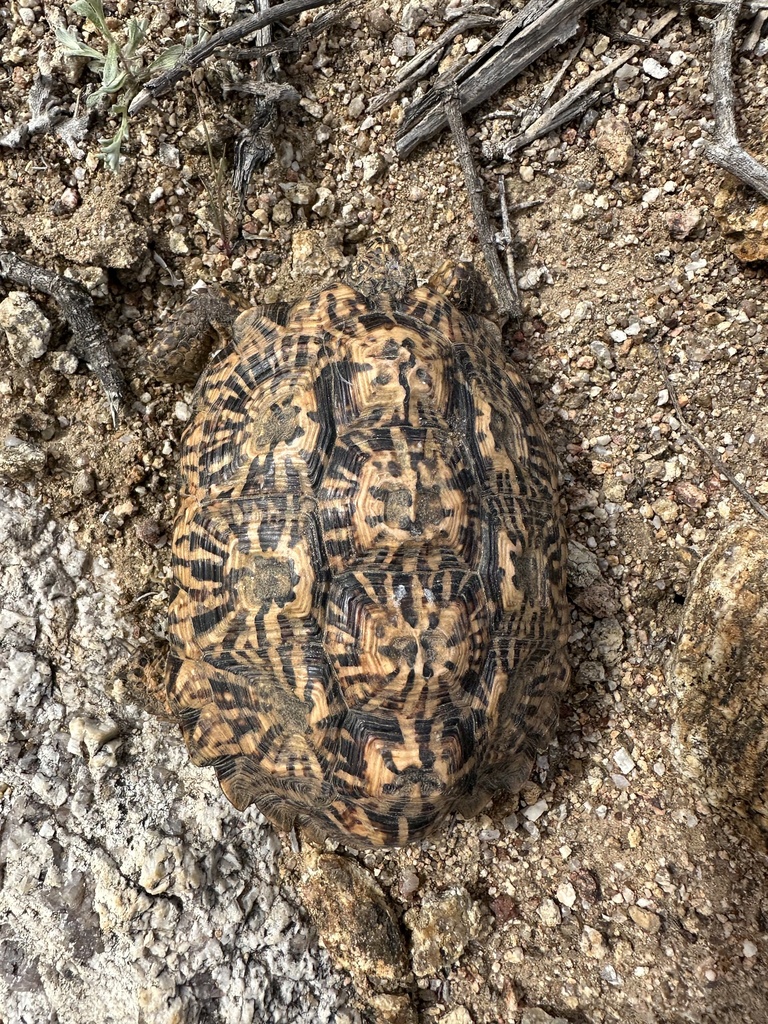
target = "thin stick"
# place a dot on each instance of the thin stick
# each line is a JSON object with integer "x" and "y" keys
{"x": 582, "y": 96}
{"x": 753, "y": 6}
{"x": 508, "y": 303}
{"x": 424, "y": 62}
{"x": 254, "y": 147}
{"x": 726, "y": 151}
{"x": 688, "y": 431}
{"x": 539, "y": 26}
{"x": 753, "y": 37}
{"x": 506, "y": 234}
{"x": 537, "y": 108}
{"x": 195, "y": 56}
{"x": 89, "y": 339}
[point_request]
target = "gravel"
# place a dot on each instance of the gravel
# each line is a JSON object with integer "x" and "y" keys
{"x": 130, "y": 888}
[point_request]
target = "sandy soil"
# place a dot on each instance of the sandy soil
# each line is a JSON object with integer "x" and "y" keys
{"x": 613, "y": 889}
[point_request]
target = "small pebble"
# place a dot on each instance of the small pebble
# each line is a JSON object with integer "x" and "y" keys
{"x": 624, "y": 761}
{"x": 177, "y": 243}
{"x": 566, "y": 894}
{"x": 152, "y": 533}
{"x": 27, "y": 328}
{"x": 535, "y": 1015}
{"x": 409, "y": 882}
{"x": 380, "y": 21}
{"x": 592, "y": 943}
{"x": 533, "y": 277}
{"x": 403, "y": 46}
{"x": 645, "y": 919}
{"x": 459, "y": 1015}
{"x": 282, "y": 213}
{"x": 654, "y": 69}
{"x": 682, "y": 224}
{"x": 374, "y": 166}
{"x": 535, "y": 811}
{"x": 602, "y": 354}
{"x": 300, "y": 193}
{"x": 64, "y": 362}
{"x": 83, "y": 483}
{"x": 20, "y": 459}
{"x": 609, "y": 974}
{"x": 414, "y": 15}
{"x": 549, "y": 913}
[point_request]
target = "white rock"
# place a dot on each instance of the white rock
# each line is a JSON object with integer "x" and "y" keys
{"x": 654, "y": 69}
{"x": 27, "y": 328}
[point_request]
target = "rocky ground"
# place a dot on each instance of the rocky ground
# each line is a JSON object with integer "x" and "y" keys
{"x": 628, "y": 881}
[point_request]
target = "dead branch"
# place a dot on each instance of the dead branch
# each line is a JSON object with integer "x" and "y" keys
{"x": 254, "y": 146}
{"x": 195, "y": 56}
{"x": 427, "y": 59}
{"x": 726, "y": 151}
{"x": 582, "y": 96}
{"x": 540, "y": 25}
{"x": 265, "y": 46}
{"x": 506, "y": 235}
{"x": 538, "y": 107}
{"x": 719, "y": 466}
{"x": 752, "y": 6}
{"x": 89, "y": 339}
{"x": 508, "y": 302}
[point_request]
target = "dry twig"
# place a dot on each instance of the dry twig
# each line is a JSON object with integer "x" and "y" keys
{"x": 89, "y": 339}
{"x": 195, "y": 56}
{"x": 506, "y": 235}
{"x": 254, "y": 147}
{"x": 538, "y": 107}
{"x": 540, "y": 25}
{"x": 582, "y": 96}
{"x": 426, "y": 60}
{"x": 506, "y": 297}
{"x": 726, "y": 151}
{"x": 719, "y": 466}
{"x": 753, "y": 6}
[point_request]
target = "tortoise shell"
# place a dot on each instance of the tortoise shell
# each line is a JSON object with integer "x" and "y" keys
{"x": 368, "y": 621}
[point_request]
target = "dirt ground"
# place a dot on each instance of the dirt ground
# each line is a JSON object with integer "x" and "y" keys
{"x": 612, "y": 889}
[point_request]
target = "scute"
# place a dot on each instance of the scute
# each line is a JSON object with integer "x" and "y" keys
{"x": 369, "y": 620}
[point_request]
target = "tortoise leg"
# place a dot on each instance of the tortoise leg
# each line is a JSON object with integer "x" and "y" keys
{"x": 181, "y": 346}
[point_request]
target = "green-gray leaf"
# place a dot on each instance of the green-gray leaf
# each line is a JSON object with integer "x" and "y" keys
{"x": 110, "y": 148}
{"x": 94, "y": 11}
{"x": 76, "y": 47}
{"x": 166, "y": 60}
{"x": 114, "y": 75}
{"x": 136, "y": 31}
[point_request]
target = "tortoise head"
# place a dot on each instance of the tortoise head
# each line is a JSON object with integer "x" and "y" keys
{"x": 379, "y": 268}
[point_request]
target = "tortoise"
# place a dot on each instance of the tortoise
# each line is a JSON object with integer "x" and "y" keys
{"x": 368, "y": 617}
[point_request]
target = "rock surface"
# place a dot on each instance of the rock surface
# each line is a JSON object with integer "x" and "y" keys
{"x": 127, "y": 882}
{"x": 720, "y": 673}
{"x": 441, "y": 928}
